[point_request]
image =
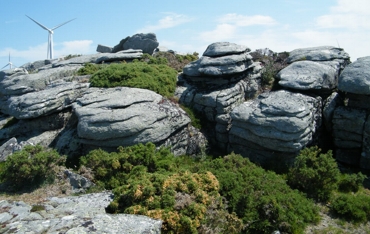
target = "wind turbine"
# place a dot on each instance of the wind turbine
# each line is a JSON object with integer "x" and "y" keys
{"x": 10, "y": 64}
{"x": 50, "y": 39}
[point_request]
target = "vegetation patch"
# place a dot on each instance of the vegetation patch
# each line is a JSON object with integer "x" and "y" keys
{"x": 158, "y": 78}
{"x": 315, "y": 173}
{"x": 189, "y": 195}
{"x": 30, "y": 166}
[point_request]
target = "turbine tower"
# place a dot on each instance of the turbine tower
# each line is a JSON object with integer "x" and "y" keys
{"x": 10, "y": 64}
{"x": 50, "y": 39}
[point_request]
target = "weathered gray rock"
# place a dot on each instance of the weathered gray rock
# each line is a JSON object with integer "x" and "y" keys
{"x": 79, "y": 60}
{"x": 219, "y": 66}
{"x": 218, "y": 49}
{"x": 11, "y": 72}
{"x": 308, "y": 75}
{"x": 76, "y": 214}
{"x": 330, "y": 104}
{"x": 120, "y": 56}
{"x": 53, "y": 98}
{"x": 365, "y": 154}
{"x": 355, "y": 78}
{"x": 7, "y": 148}
{"x": 278, "y": 121}
{"x": 348, "y": 127}
{"x": 119, "y": 46}
{"x": 17, "y": 85}
{"x": 126, "y": 116}
{"x": 145, "y": 42}
{"x": 78, "y": 182}
{"x": 34, "y": 66}
{"x": 104, "y": 49}
{"x": 321, "y": 53}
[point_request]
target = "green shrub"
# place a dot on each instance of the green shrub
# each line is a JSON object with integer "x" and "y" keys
{"x": 314, "y": 173}
{"x": 190, "y": 196}
{"x": 261, "y": 198}
{"x": 354, "y": 208}
{"x": 158, "y": 78}
{"x": 194, "y": 117}
{"x": 89, "y": 69}
{"x": 34, "y": 164}
{"x": 351, "y": 182}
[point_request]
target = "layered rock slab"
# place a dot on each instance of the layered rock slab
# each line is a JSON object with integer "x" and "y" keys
{"x": 320, "y": 53}
{"x": 308, "y": 75}
{"x": 355, "y": 78}
{"x": 273, "y": 123}
{"x": 126, "y": 116}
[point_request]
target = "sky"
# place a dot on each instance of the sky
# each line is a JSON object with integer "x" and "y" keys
{"x": 183, "y": 26}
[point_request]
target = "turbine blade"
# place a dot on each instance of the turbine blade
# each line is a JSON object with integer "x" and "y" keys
{"x": 42, "y": 26}
{"x": 9, "y": 57}
{"x": 60, "y": 25}
{"x": 4, "y": 66}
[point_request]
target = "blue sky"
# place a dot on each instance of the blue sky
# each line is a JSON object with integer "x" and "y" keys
{"x": 184, "y": 26}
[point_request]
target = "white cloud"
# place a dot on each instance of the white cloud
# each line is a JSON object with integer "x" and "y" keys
{"x": 350, "y": 14}
{"x": 245, "y": 20}
{"x": 169, "y": 21}
{"x": 222, "y": 32}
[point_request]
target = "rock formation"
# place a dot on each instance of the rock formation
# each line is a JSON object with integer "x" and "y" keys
{"x": 76, "y": 214}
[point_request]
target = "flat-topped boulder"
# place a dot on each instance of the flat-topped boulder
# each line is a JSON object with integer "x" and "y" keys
{"x": 147, "y": 42}
{"x": 321, "y": 53}
{"x": 126, "y": 116}
{"x": 230, "y": 63}
{"x": 308, "y": 75}
{"x": 355, "y": 78}
{"x": 224, "y": 48}
{"x": 79, "y": 60}
{"x": 21, "y": 84}
{"x": 122, "y": 55}
{"x": 278, "y": 121}
{"x": 53, "y": 98}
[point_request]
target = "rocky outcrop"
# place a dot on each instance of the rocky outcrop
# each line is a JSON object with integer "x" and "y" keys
{"x": 276, "y": 123}
{"x": 76, "y": 214}
{"x": 53, "y": 98}
{"x": 314, "y": 69}
{"x": 321, "y": 53}
{"x": 351, "y": 123}
{"x": 104, "y": 49}
{"x": 213, "y": 86}
{"x": 141, "y": 41}
{"x": 126, "y": 116}
{"x": 124, "y": 55}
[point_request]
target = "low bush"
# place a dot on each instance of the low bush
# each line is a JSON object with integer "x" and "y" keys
{"x": 30, "y": 166}
{"x": 224, "y": 195}
{"x": 352, "y": 207}
{"x": 314, "y": 173}
{"x": 351, "y": 182}
{"x": 261, "y": 198}
{"x": 158, "y": 78}
{"x": 89, "y": 69}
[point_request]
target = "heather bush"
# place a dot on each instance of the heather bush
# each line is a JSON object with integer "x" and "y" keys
{"x": 158, "y": 78}
{"x": 30, "y": 166}
{"x": 89, "y": 69}
{"x": 314, "y": 173}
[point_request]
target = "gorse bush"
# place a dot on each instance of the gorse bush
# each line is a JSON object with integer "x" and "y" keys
{"x": 158, "y": 78}
{"x": 32, "y": 165}
{"x": 89, "y": 69}
{"x": 314, "y": 173}
{"x": 189, "y": 195}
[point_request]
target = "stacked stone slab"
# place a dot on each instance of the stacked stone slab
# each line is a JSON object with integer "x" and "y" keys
{"x": 275, "y": 126}
{"x": 351, "y": 124}
{"x": 313, "y": 69}
{"x": 218, "y": 82}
